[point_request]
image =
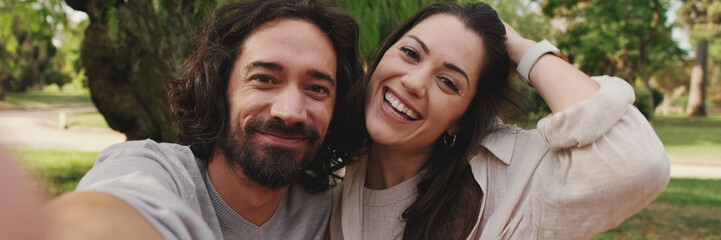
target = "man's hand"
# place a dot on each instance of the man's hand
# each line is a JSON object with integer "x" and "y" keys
{"x": 20, "y": 206}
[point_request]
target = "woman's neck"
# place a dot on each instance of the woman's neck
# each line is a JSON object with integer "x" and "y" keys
{"x": 388, "y": 166}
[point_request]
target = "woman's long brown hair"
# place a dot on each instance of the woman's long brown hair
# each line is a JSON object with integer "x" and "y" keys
{"x": 449, "y": 199}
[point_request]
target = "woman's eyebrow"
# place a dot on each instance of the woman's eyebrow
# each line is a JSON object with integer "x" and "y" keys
{"x": 453, "y": 67}
{"x": 423, "y": 45}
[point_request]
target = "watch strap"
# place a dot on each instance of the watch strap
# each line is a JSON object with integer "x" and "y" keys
{"x": 531, "y": 57}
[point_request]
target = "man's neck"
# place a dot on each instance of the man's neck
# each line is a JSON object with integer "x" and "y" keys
{"x": 250, "y": 200}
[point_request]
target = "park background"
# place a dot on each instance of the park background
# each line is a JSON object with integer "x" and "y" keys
{"x": 78, "y": 75}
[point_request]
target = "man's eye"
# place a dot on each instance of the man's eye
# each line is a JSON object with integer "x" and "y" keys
{"x": 411, "y": 53}
{"x": 263, "y": 78}
{"x": 318, "y": 89}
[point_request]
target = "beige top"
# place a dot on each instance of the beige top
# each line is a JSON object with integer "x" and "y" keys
{"x": 382, "y": 209}
{"x": 583, "y": 171}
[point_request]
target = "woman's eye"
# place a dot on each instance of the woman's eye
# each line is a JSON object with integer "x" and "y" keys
{"x": 409, "y": 52}
{"x": 450, "y": 84}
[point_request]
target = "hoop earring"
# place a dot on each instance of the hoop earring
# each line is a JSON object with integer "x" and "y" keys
{"x": 446, "y": 140}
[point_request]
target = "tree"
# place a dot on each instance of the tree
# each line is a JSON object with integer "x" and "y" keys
{"x": 704, "y": 19}
{"x": 671, "y": 81}
{"x": 131, "y": 51}
{"x": 26, "y": 33}
{"x": 39, "y": 44}
{"x": 617, "y": 37}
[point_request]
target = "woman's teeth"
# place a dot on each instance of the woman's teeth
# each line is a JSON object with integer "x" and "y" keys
{"x": 400, "y": 107}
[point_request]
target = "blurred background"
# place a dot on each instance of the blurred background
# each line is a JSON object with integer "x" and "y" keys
{"x": 79, "y": 75}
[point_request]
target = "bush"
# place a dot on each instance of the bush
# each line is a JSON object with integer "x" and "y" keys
{"x": 643, "y": 104}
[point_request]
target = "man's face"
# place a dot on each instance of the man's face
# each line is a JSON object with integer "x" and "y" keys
{"x": 281, "y": 93}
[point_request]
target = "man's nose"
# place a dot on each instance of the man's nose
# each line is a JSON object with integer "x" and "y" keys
{"x": 289, "y": 105}
{"x": 415, "y": 83}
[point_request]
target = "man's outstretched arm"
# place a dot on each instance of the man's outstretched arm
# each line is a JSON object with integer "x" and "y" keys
{"x": 96, "y": 215}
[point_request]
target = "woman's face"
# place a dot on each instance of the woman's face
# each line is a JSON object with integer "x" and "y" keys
{"x": 423, "y": 84}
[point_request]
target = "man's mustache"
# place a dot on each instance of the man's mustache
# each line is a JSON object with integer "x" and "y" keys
{"x": 276, "y": 125}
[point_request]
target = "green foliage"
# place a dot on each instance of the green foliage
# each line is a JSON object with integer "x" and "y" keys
{"x": 524, "y": 16}
{"x": 643, "y": 104}
{"x": 41, "y": 46}
{"x": 703, "y": 16}
{"x": 113, "y": 22}
{"x": 54, "y": 76}
{"x": 58, "y": 171}
{"x": 625, "y": 38}
{"x": 377, "y": 18}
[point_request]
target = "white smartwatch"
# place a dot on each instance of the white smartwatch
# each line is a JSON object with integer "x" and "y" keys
{"x": 532, "y": 55}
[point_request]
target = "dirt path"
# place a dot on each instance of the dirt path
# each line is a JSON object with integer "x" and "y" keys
{"x": 695, "y": 171}
{"x": 38, "y": 129}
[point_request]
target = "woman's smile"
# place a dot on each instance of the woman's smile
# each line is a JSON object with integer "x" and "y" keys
{"x": 398, "y": 108}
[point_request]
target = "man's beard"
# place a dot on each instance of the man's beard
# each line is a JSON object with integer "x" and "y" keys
{"x": 271, "y": 166}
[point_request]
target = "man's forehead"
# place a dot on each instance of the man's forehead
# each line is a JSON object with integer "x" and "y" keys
{"x": 290, "y": 44}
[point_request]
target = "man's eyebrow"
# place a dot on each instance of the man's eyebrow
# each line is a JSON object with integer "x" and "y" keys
{"x": 321, "y": 75}
{"x": 423, "y": 45}
{"x": 264, "y": 64}
{"x": 457, "y": 69}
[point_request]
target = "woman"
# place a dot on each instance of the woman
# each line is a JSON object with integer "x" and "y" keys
{"x": 438, "y": 164}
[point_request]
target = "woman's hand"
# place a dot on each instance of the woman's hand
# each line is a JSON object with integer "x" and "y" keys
{"x": 558, "y": 82}
{"x": 516, "y": 45}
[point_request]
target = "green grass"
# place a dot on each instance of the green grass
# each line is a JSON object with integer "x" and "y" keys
{"x": 686, "y": 209}
{"x": 87, "y": 119}
{"x": 57, "y": 171}
{"x": 52, "y": 96}
{"x": 691, "y": 140}
{"x": 48, "y": 97}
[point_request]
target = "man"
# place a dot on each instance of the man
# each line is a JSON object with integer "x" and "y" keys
{"x": 253, "y": 106}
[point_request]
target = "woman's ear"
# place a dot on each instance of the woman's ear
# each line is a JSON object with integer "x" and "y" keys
{"x": 460, "y": 124}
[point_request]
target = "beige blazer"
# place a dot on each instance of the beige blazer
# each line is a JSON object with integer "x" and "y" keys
{"x": 583, "y": 171}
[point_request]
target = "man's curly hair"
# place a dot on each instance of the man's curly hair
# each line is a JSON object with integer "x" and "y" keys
{"x": 198, "y": 97}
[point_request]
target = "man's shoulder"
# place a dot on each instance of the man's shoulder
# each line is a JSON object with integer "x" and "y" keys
{"x": 149, "y": 148}
{"x": 170, "y": 164}
{"x": 152, "y": 145}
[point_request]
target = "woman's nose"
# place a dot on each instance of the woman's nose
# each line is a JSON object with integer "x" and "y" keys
{"x": 415, "y": 83}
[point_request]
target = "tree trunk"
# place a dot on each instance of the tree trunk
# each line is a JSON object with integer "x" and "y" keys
{"x": 666, "y": 104}
{"x": 646, "y": 77}
{"x": 2, "y": 86}
{"x": 131, "y": 51}
{"x": 697, "y": 89}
